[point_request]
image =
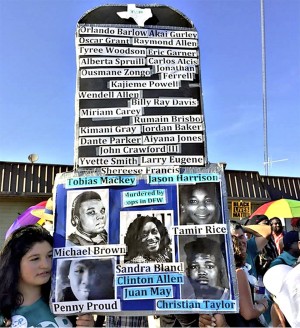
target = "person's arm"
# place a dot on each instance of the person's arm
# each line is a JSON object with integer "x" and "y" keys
{"x": 261, "y": 242}
{"x": 262, "y": 236}
{"x": 280, "y": 244}
{"x": 248, "y": 310}
{"x": 85, "y": 320}
{"x": 277, "y": 317}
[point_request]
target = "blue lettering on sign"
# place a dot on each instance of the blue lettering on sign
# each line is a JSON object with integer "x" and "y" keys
{"x": 144, "y": 197}
{"x": 153, "y": 279}
{"x": 147, "y": 292}
{"x": 192, "y": 305}
{"x": 87, "y": 181}
{"x": 183, "y": 178}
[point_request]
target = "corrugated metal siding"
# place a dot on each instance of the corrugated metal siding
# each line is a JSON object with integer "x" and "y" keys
{"x": 31, "y": 183}
{"x": 37, "y": 179}
{"x": 282, "y": 187}
{"x": 245, "y": 185}
{"x": 28, "y": 178}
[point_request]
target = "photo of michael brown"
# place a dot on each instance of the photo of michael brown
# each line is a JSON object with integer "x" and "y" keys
{"x": 87, "y": 217}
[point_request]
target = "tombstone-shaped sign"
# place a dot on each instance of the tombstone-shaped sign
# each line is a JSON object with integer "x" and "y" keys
{"x": 143, "y": 213}
{"x": 138, "y": 99}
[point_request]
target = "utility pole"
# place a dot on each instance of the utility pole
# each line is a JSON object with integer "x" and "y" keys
{"x": 264, "y": 87}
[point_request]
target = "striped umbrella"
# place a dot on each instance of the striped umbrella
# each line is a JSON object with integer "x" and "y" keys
{"x": 282, "y": 208}
{"x": 26, "y": 218}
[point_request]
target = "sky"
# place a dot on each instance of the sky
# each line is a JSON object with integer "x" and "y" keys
{"x": 38, "y": 79}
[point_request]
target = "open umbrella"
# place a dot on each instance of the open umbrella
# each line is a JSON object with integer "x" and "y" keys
{"x": 282, "y": 208}
{"x": 25, "y": 218}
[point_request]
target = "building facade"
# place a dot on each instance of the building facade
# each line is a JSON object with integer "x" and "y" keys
{"x": 25, "y": 184}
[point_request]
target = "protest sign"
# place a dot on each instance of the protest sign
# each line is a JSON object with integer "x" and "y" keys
{"x": 138, "y": 99}
{"x": 240, "y": 209}
{"x": 126, "y": 245}
{"x": 141, "y": 224}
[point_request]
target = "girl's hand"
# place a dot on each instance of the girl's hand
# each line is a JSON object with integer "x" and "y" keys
{"x": 212, "y": 320}
{"x": 206, "y": 320}
{"x": 265, "y": 304}
{"x": 85, "y": 320}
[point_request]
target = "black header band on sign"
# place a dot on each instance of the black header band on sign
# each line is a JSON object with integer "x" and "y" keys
{"x": 162, "y": 15}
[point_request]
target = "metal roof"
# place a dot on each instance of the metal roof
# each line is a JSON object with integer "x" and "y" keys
{"x": 245, "y": 185}
{"x": 34, "y": 179}
{"x": 282, "y": 187}
{"x": 251, "y": 185}
{"x": 28, "y": 178}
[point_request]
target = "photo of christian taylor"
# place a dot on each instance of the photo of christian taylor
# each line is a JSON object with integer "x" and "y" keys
{"x": 88, "y": 219}
{"x": 82, "y": 279}
{"x": 206, "y": 271}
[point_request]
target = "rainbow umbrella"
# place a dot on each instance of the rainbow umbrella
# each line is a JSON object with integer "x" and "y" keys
{"x": 282, "y": 208}
{"x": 26, "y": 218}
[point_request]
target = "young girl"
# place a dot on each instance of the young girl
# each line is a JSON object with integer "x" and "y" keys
{"x": 25, "y": 271}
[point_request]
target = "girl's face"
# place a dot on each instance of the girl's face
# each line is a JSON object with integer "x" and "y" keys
{"x": 201, "y": 207}
{"x": 276, "y": 226}
{"x": 36, "y": 264}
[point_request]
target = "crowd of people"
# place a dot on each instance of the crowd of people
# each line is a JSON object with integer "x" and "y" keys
{"x": 278, "y": 247}
{"x": 262, "y": 249}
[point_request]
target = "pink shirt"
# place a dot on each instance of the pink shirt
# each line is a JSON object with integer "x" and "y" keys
{"x": 278, "y": 242}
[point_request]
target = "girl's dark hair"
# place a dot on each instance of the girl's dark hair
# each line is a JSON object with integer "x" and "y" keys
{"x": 239, "y": 257}
{"x": 15, "y": 247}
{"x": 275, "y": 218}
{"x": 133, "y": 238}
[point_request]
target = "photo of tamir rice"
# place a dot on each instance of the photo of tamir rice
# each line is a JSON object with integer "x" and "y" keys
{"x": 200, "y": 203}
{"x": 87, "y": 217}
{"x": 81, "y": 279}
